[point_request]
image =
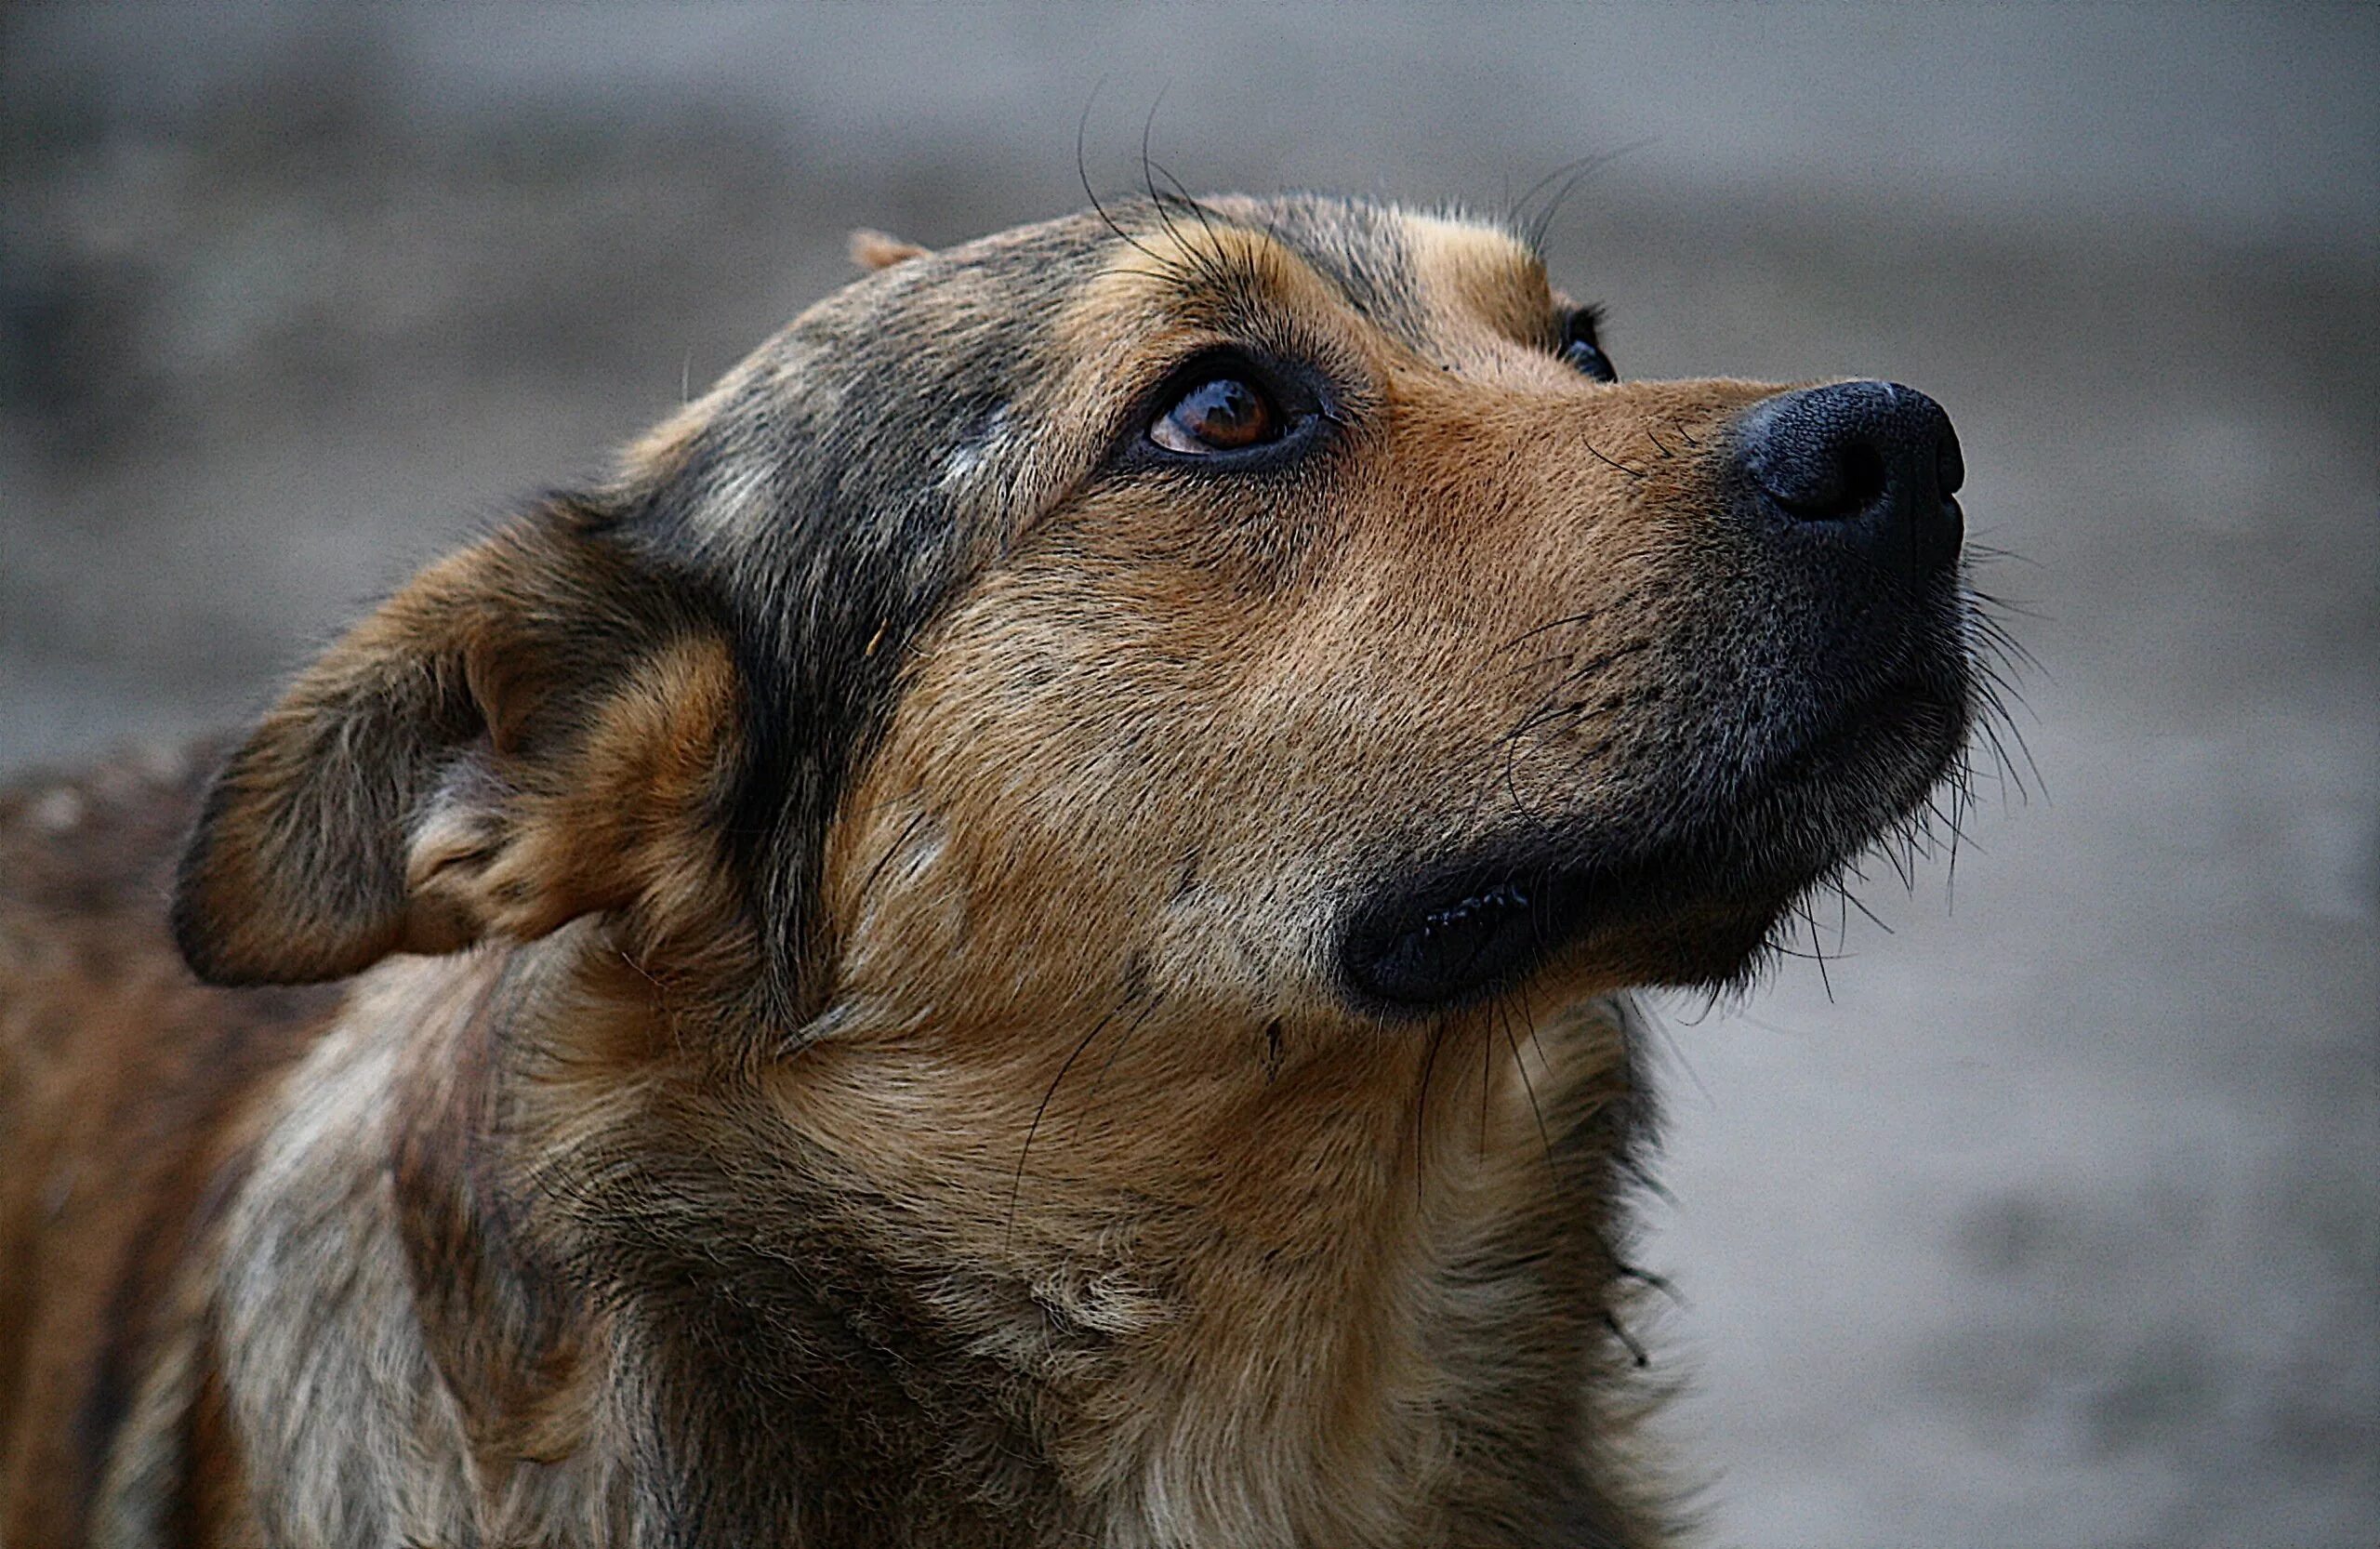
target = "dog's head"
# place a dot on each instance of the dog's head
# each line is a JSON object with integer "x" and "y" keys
{"x": 1275, "y": 609}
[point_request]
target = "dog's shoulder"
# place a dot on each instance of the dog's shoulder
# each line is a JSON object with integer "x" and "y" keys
{"x": 123, "y": 1081}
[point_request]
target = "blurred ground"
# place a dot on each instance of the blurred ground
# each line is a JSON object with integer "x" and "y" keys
{"x": 2059, "y": 1221}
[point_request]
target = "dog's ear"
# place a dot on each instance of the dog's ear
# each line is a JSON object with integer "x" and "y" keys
{"x": 873, "y": 250}
{"x": 535, "y": 729}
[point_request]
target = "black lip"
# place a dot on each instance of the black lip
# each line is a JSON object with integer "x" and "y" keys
{"x": 1463, "y": 931}
{"x": 1459, "y": 931}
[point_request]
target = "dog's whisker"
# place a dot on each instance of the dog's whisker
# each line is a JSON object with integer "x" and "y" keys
{"x": 1422, "y": 1116}
{"x": 1148, "y": 1009}
{"x": 1636, "y": 1353}
{"x": 1486, "y": 1083}
{"x": 1632, "y": 472}
{"x": 1016, "y": 1181}
{"x": 1645, "y": 1278}
{"x": 1528, "y": 1086}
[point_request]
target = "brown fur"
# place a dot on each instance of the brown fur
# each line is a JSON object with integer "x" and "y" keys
{"x": 839, "y": 1040}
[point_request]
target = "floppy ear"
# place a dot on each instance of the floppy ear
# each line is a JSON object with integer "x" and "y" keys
{"x": 536, "y": 728}
{"x": 873, "y": 250}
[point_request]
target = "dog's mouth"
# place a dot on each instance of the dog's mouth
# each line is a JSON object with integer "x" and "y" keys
{"x": 1692, "y": 906}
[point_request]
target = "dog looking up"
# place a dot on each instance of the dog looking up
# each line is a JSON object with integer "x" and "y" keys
{"x": 1011, "y": 937}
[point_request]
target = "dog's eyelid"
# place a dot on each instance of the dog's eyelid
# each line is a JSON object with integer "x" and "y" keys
{"x": 1296, "y": 396}
{"x": 1578, "y": 343}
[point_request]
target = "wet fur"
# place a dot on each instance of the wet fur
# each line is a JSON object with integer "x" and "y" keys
{"x": 815, "y": 1018}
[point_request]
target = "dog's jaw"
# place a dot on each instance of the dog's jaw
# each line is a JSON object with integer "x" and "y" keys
{"x": 1689, "y": 902}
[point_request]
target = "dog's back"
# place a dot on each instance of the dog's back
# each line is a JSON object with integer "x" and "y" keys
{"x": 122, "y": 1086}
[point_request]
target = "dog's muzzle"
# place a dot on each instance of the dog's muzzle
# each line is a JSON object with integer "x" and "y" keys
{"x": 1845, "y": 701}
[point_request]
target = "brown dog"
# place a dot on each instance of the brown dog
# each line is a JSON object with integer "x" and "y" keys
{"x": 1008, "y": 940}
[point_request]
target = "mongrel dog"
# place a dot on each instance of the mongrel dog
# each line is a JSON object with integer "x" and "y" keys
{"x": 1007, "y": 940}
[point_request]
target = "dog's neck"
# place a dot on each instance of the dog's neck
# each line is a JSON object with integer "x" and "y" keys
{"x": 995, "y": 1285}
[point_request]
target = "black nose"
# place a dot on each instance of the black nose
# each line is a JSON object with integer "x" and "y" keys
{"x": 1875, "y": 464}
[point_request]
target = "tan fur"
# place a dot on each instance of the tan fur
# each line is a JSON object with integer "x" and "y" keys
{"x": 873, "y": 249}
{"x": 993, "y": 1155}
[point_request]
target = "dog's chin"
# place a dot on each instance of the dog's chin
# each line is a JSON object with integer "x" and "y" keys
{"x": 1586, "y": 899}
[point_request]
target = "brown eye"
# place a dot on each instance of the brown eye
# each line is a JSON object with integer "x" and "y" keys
{"x": 1222, "y": 414}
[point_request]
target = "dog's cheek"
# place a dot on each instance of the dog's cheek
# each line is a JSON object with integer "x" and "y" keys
{"x": 1055, "y": 818}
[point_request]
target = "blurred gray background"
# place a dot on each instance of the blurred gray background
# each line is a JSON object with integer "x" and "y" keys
{"x": 2052, "y": 1217}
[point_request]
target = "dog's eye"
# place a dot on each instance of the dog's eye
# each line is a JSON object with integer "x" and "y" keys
{"x": 1579, "y": 347}
{"x": 1222, "y": 413}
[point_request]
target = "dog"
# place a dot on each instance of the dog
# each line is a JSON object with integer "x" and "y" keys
{"x": 1017, "y": 933}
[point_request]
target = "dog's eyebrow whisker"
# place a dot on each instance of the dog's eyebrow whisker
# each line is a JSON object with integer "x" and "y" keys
{"x": 1569, "y": 175}
{"x": 1205, "y": 253}
{"x": 1170, "y": 267}
{"x": 1536, "y": 665}
{"x": 1158, "y": 199}
{"x": 1544, "y": 715}
{"x": 1169, "y": 277}
{"x": 1206, "y": 258}
{"x": 1174, "y": 191}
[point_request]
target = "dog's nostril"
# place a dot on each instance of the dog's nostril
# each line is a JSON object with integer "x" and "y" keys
{"x": 1949, "y": 467}
{"x": 1874, "y": 463}
{"x": 1832, "y": 489}
{"x": 1863, "y": 474}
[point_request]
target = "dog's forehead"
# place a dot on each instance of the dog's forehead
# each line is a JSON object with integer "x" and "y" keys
{"x": 985, "y": 377}
{"x": 1420, "y": 278}
{"x": 1364, "y": 250}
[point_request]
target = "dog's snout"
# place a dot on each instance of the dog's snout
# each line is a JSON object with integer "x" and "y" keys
{"x": 1874, "y": 463}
